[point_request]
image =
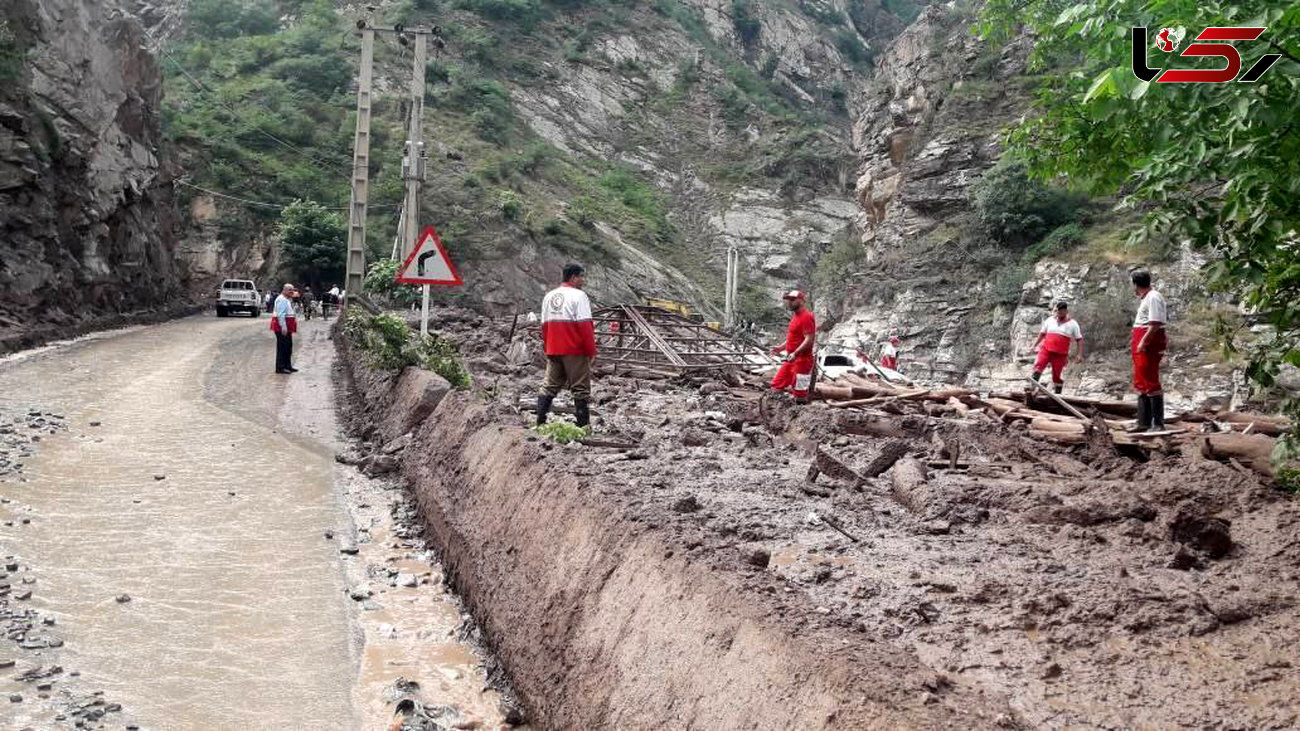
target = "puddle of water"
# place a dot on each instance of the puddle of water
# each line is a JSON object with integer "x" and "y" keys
{"x": 236, "y": 616}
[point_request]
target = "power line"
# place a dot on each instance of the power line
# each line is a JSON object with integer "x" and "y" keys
{"x": 262, "y": 204}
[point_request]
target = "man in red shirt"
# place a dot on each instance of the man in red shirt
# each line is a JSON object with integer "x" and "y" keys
{"x": 1055, "y": 337}
{"x": 795, "y": 373}
{"x": 569, "y": 340}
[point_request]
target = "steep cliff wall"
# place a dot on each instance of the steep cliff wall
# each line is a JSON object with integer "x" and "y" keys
{"x": 966, "y": 304}
{"x": 85, "y": 229}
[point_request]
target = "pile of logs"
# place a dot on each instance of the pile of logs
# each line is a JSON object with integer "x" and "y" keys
{"x": 1239, "y": 438}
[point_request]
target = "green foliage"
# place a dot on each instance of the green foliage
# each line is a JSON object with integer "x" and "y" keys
{"x": 849, "y": 44}
{"x": 745, "y": 19}
{"x": 563, "y": 432}
{"x": 846, "y": 257}
{"x": 231, "y": 18}
{"x": 524, "y": 12}
{"x": 12, "y": 55}
{"x": 381, "y": 282}
{"x": 512, "y": 207}
{"x": 313, "y": 239}
{"x": 1288, "y": 480}
{"x": 441, "y": 356}
{"x": 1014, "y": 210}
{"x": 389, "y": 344}
{"x": 1007, "y": 284}
{"x": 383, "y": 338}
{"x": 488, "y": 104}
{"x": 1060, "y": 240}
{"x": 1215, "y": 164}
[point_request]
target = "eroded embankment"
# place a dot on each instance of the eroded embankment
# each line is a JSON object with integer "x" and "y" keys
{"x": 602, "y": 620}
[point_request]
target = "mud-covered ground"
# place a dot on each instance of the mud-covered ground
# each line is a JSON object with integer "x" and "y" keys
{"x": 1086, "y": 587}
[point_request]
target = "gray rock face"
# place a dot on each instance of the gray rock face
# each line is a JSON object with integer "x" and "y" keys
{"x": 85, "y": 228}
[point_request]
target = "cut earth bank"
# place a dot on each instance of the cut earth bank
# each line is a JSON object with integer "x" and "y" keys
{"x": 700, "y": 580}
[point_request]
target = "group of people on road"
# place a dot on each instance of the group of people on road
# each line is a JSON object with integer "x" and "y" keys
{"x": 569, "y": 341}
{"x": 285, "y": 309}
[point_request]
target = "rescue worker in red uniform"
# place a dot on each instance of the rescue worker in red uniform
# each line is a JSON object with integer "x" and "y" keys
{"x": 795, "y": 374}
{"x": 1148, "y": 345}
{"x": 569, "y": 340}
{"x": 889, "y": 353}
{"x": 1054, "y": 339}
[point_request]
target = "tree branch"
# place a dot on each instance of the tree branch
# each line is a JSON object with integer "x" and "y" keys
{"x": 1276, "y": 47}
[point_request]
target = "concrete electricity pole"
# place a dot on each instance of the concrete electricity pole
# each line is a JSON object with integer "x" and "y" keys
{"x": 356, "y": 261}
{"x": 413, "y": 164}
{"x": 733, "y": 286}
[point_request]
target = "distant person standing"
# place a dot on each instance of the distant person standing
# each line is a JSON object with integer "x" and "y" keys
{"x": 569, "y": 341}
{"x": 1148, "y": 345}
{"x": 796, "y": 372}
{"x": 308, "y": 302}
{"x": 284, "y": 324}
{"x": 1056, "y": 335}
{"x": 889, "y": 353}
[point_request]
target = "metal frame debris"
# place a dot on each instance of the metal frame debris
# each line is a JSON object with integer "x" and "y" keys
{"x": 644, "y": 336}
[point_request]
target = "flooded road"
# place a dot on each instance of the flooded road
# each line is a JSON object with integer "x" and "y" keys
{"x": 180, "y": 537}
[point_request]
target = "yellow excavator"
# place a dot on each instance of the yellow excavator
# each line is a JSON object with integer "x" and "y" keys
{"x": 683, "y": 309}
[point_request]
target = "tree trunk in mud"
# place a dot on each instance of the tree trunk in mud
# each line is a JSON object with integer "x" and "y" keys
{"x": 1251, "y": 450}
{"x": 910, "y": 480}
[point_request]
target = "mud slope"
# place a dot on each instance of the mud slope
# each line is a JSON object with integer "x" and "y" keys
{"x": 606, "y": 621}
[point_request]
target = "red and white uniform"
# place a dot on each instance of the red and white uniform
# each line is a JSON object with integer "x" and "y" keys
{"x": 1055, "y": 349}
{"x": 889, "y": 356}
{"x": 796, "y": 375}
{"x": 1146, "y": 365}
{"x": 567, "y": 328}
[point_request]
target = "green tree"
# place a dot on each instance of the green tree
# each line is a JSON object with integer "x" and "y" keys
{"x": 314, "y": 241}
{"x": 1214, "y": 164}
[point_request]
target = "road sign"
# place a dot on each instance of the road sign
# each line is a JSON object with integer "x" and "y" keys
{"x": 429, "y": 263}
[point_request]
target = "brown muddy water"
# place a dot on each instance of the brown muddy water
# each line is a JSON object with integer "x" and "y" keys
{"x": 202, "y": 486}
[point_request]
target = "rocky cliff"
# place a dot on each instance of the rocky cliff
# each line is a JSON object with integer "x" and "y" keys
{"x": 85, "y": 224}
{"x": 966, "y": 305}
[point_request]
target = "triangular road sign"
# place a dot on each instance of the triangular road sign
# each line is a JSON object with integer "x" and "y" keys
{"x": 429, "y": 263}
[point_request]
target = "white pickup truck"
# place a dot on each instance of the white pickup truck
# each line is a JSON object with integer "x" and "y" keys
{"x": 236, "y": 295}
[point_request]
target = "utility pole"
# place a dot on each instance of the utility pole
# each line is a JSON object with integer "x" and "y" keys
{"x": 733, "y": 286}
{"x": 356, "y": 261}
{"x": 413, "y": 164}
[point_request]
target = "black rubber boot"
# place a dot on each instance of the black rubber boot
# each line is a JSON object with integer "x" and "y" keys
{"x": 1058, "y": 387}
{"x": 1037, "y": 375}
{"x": 581, "y": 413}
{"x": 1156, "y": 407}
{"x": 543, "y": 407}
{"x": 1144, "y": 412}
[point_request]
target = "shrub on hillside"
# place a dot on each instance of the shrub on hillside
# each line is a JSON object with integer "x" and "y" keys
{"x": 1014, "y": 210}
{"x": 745, "y": 18}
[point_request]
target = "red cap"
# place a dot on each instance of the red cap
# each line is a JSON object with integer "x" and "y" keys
{"x": 794, "y": 294}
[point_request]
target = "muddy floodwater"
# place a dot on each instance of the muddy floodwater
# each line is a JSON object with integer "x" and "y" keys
{"x": 184, "y": 538}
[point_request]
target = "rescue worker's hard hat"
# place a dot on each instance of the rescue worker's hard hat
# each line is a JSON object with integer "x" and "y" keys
{"x": 795, "y": 294}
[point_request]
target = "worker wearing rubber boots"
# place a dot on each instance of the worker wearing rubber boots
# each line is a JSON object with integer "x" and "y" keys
{"x": 1054, "y": 339}
{"x": 1148, "y": 345}
{"x": 796, "y": 372}
{"x": 569, "y": 341}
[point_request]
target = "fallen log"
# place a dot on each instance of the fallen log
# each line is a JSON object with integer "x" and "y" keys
{"x": 909, "y": 478}
{"x": 1058, "y": 436}
{"x": 875, "y": 425}
{"x": 1273, "y": 426}
{"x": 828, "y": 392}
{"x": 1253, "y": 451}
{"x": 1052, "y": 425}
